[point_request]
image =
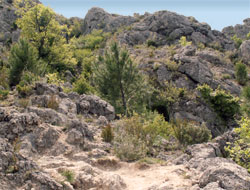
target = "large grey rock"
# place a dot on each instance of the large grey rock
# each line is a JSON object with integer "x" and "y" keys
{"x": 229, "y": 175}
{"x": 50, "y": 116}
{"x": 245, "y": 51}
{"x": 96, "y": 106}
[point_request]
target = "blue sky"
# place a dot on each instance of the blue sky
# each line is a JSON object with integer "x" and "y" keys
{"x": 217, "y": 13}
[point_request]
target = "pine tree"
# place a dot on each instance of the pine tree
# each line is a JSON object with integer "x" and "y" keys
{"x": 23, "y": 57}
{"x": 119, "y": 80}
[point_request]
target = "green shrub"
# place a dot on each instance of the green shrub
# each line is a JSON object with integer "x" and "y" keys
{"x": 188, "y": 133}
{"x": 22, "y": 57}
{"x": 246, "y": 93}
{"x": 183, "y": 41}
{"x": 82, "y": 86}
{"x": 53, "y": 78}
{"x": 53, "y": 103}
{"x": 245, "y": 106}
{"x": 3, "y": 94}
{"x": 24, "y": 90}
{"x": 241, "y": 73}
{"x": 107, "y": 134}
{"x": 223, "y": 103}
{"x": 151, "y": 43}
{"x": 136, "y": 136}
{"x": 237, "y": 41}
{"x": 4, "y": 78}
{"x": 239, "y": 151}
{"x": 69, "y": 175}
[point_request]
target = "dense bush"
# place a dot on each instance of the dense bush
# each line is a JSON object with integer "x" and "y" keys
{"x": 245, "y": 106}
{"x": 189, "y": 133}
{"x": 69, "y": 175}
{"x": 222, "y": 102}
{"x": 241, "y": 73}
{"x": 239, "y": 151}
{"x": 136, "y": 136}
{"x": 23, "y": 57}
{"x": 82, "y": 86}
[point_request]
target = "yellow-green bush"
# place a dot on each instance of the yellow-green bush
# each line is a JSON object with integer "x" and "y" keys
{"x": 241, "y": 73}
{"x": 183, "y": 41}
{"x": 239, "y": 151}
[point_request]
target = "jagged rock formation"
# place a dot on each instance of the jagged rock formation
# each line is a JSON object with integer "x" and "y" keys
{"x": 240, "y": 30}
{"x": 162, "y": 27}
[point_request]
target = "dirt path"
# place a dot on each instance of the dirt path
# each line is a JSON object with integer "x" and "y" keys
{"x": 137, "y": 178}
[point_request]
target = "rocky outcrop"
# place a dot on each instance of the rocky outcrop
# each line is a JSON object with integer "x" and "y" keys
{"x": 98, "y": 19}
{"x": 245, "y": 51}
{"x": 213, "y": 171}
{"x": 240, "y": 30}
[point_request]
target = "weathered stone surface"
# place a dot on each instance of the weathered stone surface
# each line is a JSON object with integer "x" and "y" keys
{"x": 240, "y": 30}
{"x": 97, "y": 18}
{"x": 245, "y": 51}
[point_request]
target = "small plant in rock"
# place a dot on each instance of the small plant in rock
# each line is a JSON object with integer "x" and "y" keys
{"x": 183, "y": 41}
{"x": 107, "y": 134}
{"x": 53, "y": 102}
{"x": 237, "y": 41}
{"x": 172, "y": 65}
{"x": 24, "y": 90}
{"x": 188, "y": 133}
{"x": 241, "y": 73}
{"x": 24, "y": 102}
{"x": 69, "y": 175}
{"x": 151, "y": 43}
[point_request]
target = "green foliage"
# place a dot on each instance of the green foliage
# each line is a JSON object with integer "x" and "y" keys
{"x": 239, "y": 151}
{"x": 24, "y": 90}
{"x": 3, "y": 94}
{"x": 119, "y": 81}
{"x": 183, "y": 41}
{"x": 237, "y": 41}
{"x": 168, "y": 95}
{"x": 4, "y": 77}
{"x": 69, "y": 175}
{"x": 92, "y": 41}
{"x": 39, "y": 25}
{"x": 23, "y": 57}
{"x": 82, "y": 86}
{"x": 223, "y": 103}
{"x": 189, "y": 133}
{"x": 107, "y": 134}
{"x": 245, "y": 106}
{"x": 241, "y": 73}
{"x": 53, "y": 78}
{"x": 136, "y": 136}
{"x": 172, "y": 65}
